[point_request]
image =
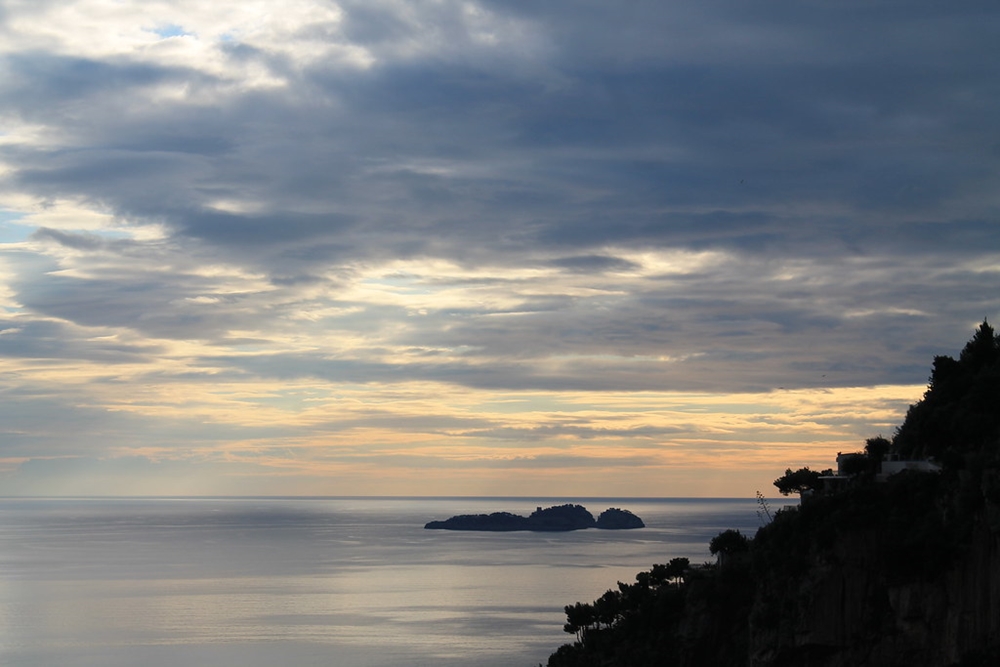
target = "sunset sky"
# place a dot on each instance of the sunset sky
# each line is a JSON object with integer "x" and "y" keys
{"x": 482, "y": 248}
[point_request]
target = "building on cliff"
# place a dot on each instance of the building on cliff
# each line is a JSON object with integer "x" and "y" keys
{"x": 894, "y": 466}
{"x": 851, "y": 464}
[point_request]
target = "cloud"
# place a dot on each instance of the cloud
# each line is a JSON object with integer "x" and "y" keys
{"x": 489, "y": 197}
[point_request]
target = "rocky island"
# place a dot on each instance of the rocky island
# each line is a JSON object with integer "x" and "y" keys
{"x": 551, "y": 519}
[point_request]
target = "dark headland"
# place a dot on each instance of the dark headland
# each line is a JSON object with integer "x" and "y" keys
{"x": 891, "y": 560}
{"x": 551, "y": 519}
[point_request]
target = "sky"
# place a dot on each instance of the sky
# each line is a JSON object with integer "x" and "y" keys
{"x": 442, "y": 247}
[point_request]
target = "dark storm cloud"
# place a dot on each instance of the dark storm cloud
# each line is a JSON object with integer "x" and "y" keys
{"x": 601, "y": 150}
{"x": 150, "y": 302}
{"x": 279, "y": 232}
{"x": 551, "y": 135}
{"x": 38, "y": 82}
{"x": 75, "y": 241}
{"x": 44, "y": 339}
{"x": 593, "y": 264}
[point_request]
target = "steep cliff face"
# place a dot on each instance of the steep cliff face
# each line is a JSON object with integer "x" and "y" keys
{"x": 854, "y": 608}
{"x": 821, "y": 587}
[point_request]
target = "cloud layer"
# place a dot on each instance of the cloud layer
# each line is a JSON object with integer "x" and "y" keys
{"x": 474, "y": 246}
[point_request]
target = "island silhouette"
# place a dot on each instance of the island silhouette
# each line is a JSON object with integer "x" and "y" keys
{"x": 551, "y": 519}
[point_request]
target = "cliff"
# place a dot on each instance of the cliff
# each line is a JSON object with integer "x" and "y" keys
{"x": 886, "y": 575}
{"x": 849, "y": 612}
{"x": 875, "y": 570}
{"x": 908, "y": 585}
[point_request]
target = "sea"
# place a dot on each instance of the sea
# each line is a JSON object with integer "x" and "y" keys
{"x": 298, "y": 582}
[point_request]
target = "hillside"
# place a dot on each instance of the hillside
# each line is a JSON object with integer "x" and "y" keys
{"x": 872, "y": 569}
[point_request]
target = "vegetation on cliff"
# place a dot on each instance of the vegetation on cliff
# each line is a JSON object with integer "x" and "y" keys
{"x": 870, "y": 569}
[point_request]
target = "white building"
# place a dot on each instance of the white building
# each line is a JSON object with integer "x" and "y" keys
{"x": 890, "y": 468}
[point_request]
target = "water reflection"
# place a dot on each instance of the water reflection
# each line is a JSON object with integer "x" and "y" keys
{"x": 312, "y": 581}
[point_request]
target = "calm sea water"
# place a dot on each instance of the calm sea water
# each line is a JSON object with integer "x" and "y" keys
{"x": 296, "y": 582}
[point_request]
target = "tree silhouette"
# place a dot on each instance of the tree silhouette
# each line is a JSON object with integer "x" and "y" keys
{"x": 729, "y": 542}
{"x": 960, "y": 411}
{"x": 877, "y": 448}
{"x": 801, "y": 480}
{"x": 580, "y": 617}
{"x": 854, "y": 464}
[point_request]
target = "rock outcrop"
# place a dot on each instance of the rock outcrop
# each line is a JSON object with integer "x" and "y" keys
{"x": 618, "y": 519}
{"x": 498, "y": 521}
{"x": 551, "y": 519}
